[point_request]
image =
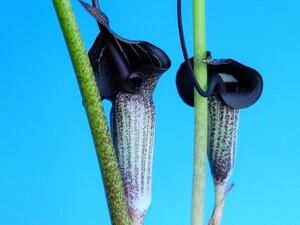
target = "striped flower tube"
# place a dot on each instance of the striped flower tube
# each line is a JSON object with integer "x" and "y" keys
{"x": 133, "y": 128}
{"x": 222, "y": 141}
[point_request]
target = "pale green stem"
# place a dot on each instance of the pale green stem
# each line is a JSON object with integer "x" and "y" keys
{"x": 201, "y": 115}
{"x": 95, "y": 114}
{"x": 220, "y": 192}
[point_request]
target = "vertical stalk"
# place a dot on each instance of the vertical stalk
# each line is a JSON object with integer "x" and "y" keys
{"x": 95, "y": 114}
{"x": 201, "y": 114}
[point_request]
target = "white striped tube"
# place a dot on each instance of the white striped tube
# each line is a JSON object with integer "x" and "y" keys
{"x": 222, "y": 140}
{"x": 133, "y": 125}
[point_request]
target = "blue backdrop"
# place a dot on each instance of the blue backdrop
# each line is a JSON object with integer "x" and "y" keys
{"x": 48, "y": 168}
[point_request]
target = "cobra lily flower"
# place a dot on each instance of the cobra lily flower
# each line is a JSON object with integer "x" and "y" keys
{"x": 127, "y": 73}
{"x": 231, "y": 86}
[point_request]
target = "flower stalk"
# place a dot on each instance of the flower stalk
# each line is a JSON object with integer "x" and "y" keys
{"x": 201, "y": 114}
{"x": 95, "y": 114}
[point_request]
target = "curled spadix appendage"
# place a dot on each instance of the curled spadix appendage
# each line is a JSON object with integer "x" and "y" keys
{"x": 222, "y": 141}
{"x": 127, "y": 73}
{"x": 238, "y": 85}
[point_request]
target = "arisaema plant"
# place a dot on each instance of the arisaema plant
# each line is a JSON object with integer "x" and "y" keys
{"x": 126, "y": 72}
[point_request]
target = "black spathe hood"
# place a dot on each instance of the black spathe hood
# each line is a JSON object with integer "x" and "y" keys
{"x": 244, "y": 91}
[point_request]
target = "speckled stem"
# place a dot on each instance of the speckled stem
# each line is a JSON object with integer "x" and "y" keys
{"x": 98, "y": 124}
{"x": 133, "y": 126}
{"x": 223, "y": 127}
{"x": 200, "y": 137}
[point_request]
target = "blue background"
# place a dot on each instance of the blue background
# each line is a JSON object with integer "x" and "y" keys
{"x": 49, "y": 173}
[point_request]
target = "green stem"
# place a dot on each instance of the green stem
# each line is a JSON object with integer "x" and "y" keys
{"x": 95, "y": 114}
{"x": 201, "y": 116}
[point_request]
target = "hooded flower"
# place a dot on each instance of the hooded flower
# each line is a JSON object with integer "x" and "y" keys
{"x": 231, "y": 87}
{"x": 127, "y": 73}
